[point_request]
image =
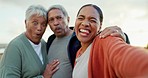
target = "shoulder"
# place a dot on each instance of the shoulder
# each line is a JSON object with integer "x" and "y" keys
{"x": 43, "y": 41}
{"x": 17, "y": 40}
{"x": 51, "y": 38}
{"x": 74, "y": 40}
{"x": 74, "y": 44}
{"x": 14, "y": 47}
{"x": 109, "y": 38}
{"x": 107, "y": 41}
{"x": 18, "y": 43}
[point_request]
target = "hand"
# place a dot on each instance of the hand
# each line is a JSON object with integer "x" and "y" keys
{"x": 113, "y": 31}
{"x": 51, "y": 68}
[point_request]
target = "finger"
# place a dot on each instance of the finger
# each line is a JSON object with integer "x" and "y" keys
{"x": 108, "y": 33}
{"x": 54, "y": 70}
{"x": 54, "y": 62}
{"x": 104, "y": 33}
{"x": 55, "y": 65}
{"x": 116, "y": 34}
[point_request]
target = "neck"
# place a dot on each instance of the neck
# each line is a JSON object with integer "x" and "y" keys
{"x": 67, "y": 33}
{"x": 84, "y": 47}
{"x": 33, "y": 41}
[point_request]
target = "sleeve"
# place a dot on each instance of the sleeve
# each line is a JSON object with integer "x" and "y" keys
{"x": 126, "y": 60}
{"x": 10, "y": 66}
{"x": 127, "y": 39}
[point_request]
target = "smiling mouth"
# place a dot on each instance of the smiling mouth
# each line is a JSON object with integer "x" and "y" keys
{"x": 84, "y": 32}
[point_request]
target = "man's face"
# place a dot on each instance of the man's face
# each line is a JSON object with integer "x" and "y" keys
{"x": 35, "y": 28}
{"x": 58, "y": 22}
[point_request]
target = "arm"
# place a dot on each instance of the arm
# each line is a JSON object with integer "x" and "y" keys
{"x": 116, "y": 32}
{"x": 126, "y": 60}
{"x": 115, "y": 58}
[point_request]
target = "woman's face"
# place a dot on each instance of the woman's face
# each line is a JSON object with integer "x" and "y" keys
{"x": 87, "y": 24}
{"x": 35, "y": 28}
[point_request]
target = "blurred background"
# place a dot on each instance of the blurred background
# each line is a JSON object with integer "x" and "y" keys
{"x": 130, "y": 15}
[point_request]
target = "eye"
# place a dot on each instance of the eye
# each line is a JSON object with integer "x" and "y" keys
{"x": 44, "y": 24}
{"x": 93, "y": 21}
{"x": 50, "y": 19}
{"x": 58, "y": 17}
{"x": 35, "y": 23}
{"x": 80, "y": 18}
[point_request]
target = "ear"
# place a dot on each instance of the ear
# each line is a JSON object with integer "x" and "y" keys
{"x": 26, "y": 23}
{"x": 68, "y": 19}
{"x": 100, "y": 26}
{"x": 99, "y": 29}
{"x": 74, "y": 28}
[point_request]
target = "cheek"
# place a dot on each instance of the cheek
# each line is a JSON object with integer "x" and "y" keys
{"x": 51, "y": 27}
{"x": 63, "y": 24}
{"x": 77, "y": 23}
{"x": 44, "y": 28}
{"x": 95, "y": 29}
{"x": 28, "y": 28}
{"x": 76, "y": 28}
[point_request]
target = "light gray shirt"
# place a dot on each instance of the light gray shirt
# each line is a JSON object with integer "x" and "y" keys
{"x": 81, "y": 67}
{"x": 58, "y": 50}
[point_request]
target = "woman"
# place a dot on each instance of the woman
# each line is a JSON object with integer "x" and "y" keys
{"x": 26, "y": 55}
{"x": 105, "y": 58}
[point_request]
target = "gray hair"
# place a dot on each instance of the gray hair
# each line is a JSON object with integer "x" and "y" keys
{"x": 36, "y": 9}
{"x": 60, "y": 7}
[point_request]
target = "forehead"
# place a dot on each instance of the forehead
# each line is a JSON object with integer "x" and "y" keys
{"x": 89, "y": 11}
{"x": 36, "y": 16}
{"x": 55, "y": 12}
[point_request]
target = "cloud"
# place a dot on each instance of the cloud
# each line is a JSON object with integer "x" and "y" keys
{"x": 127, "y": 13}
{"x": 19, "y": 3}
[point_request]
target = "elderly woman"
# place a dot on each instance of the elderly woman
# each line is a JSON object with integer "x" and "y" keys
{"x": 105, "y": 58}
{"x": 26, "y": 56}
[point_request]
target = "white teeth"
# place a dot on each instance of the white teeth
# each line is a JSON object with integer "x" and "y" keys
{"x": 82, "y": 30}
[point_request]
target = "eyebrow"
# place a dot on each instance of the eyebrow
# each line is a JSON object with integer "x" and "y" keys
{"x": 89, "y": 17}
{"x": 80, "y": 16}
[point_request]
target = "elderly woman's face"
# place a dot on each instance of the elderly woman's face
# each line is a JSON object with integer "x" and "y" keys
{"x": 87, "y": 24}
{"x": 35, "y": 28}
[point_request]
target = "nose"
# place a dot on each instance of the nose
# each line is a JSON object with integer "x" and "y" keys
{"x": 85, "y": 23}
{"x": 56, "y": 22}
{"x": 39, "y": 27}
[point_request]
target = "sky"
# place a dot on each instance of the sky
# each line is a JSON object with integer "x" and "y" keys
{"x": 130, "y": 15}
